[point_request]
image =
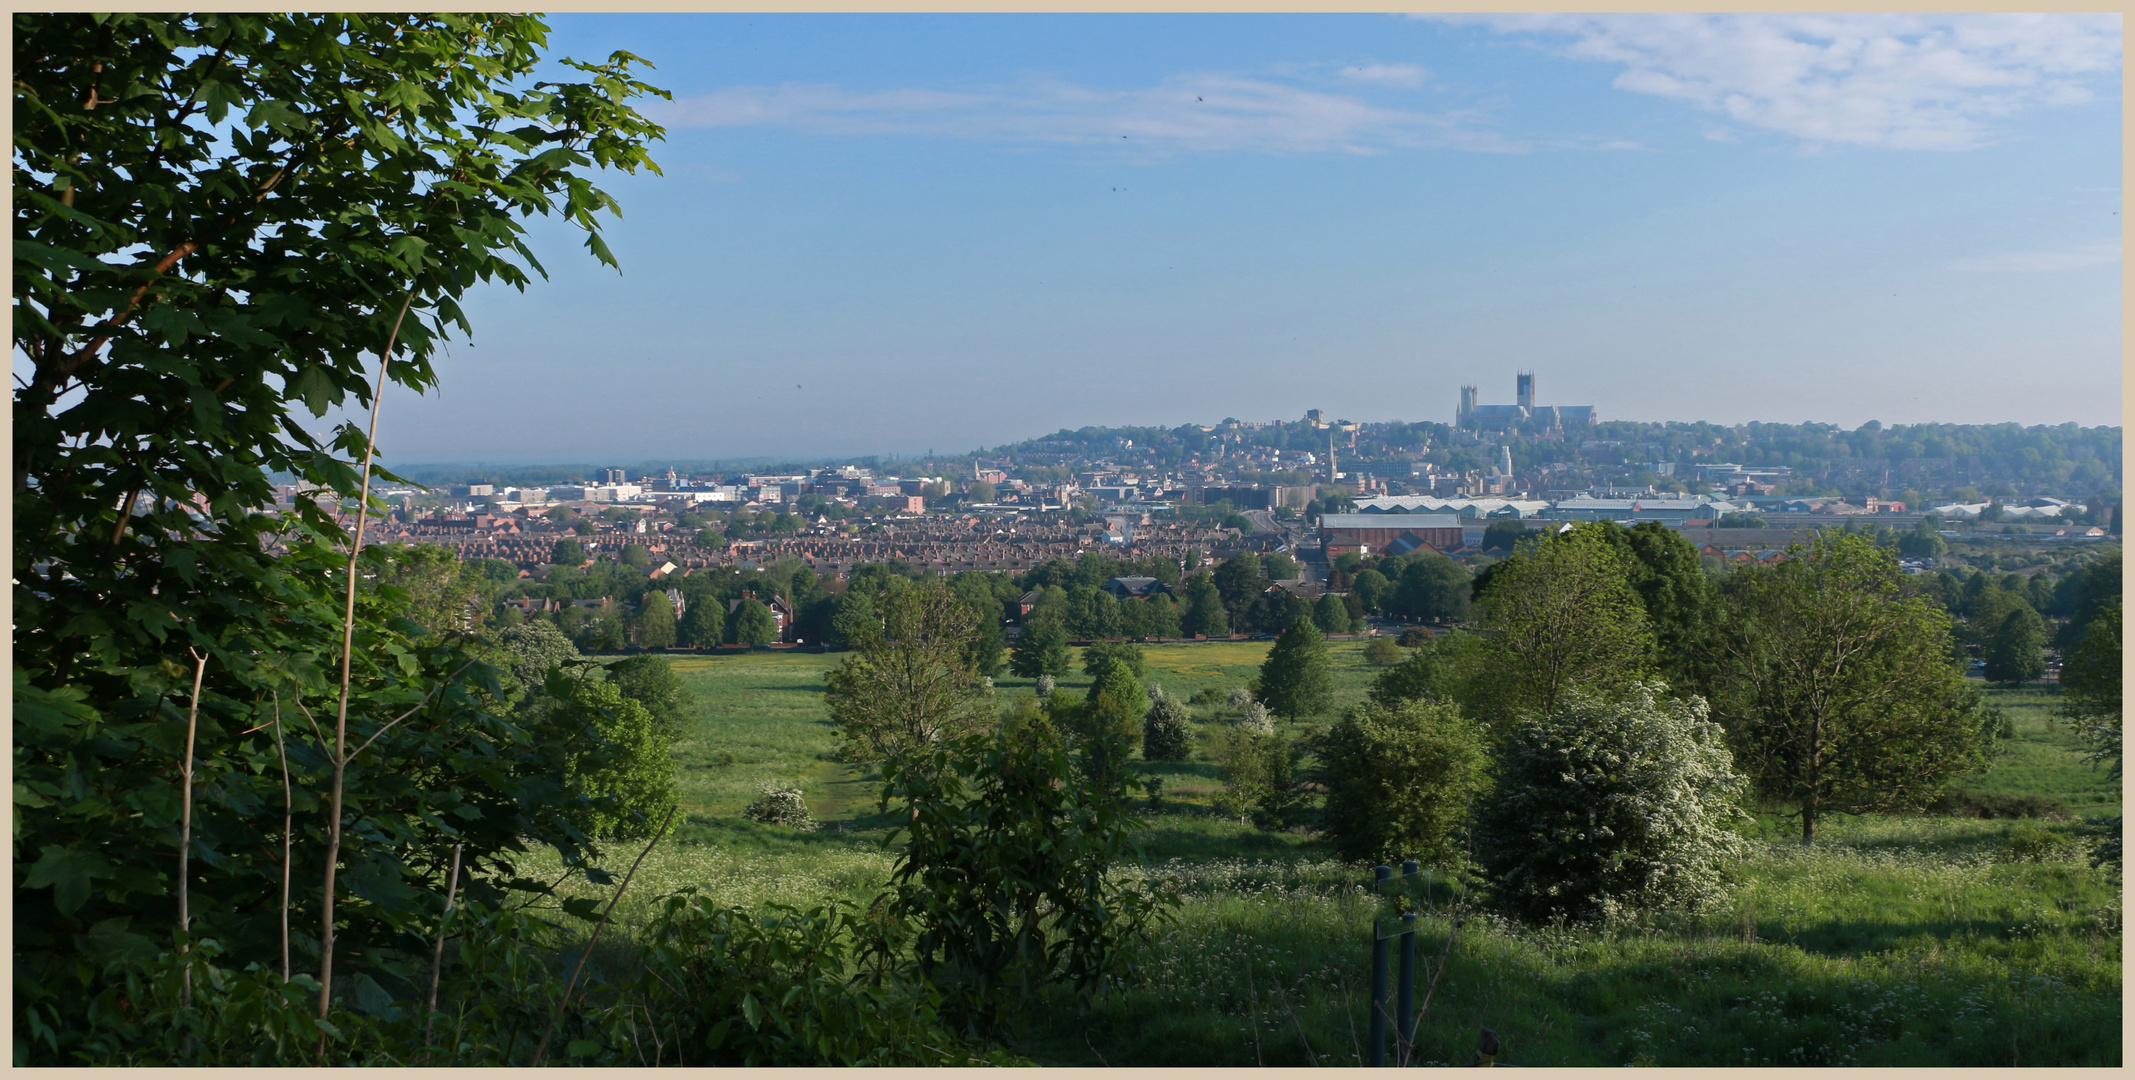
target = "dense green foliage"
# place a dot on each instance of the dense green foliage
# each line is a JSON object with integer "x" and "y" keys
{"x": 912, "y": 685}
{"x": 1400, "y": 782}
{"x": 1010, "y": 836}
{"x": 1839, "y": 694}
{"x": 220, "y": 219}
{"x": 1561, "y": 615}
{"x": 1603, "y": 809}
{"x": 1293, "y": 680}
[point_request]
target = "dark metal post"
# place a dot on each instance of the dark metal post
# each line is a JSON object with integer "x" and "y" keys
{"x": 1405, "y": 1013}
{"x": 1379, "y": 876}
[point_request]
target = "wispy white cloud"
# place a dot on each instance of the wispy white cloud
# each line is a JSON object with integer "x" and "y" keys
{"x": 1184, "y": 113}
{"x": 2033, "y": 262}
{"x": 1402, "y": 75}
{"x": 1904, "y": 81}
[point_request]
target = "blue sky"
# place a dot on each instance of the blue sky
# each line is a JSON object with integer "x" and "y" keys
{"x": 891, "y": 234}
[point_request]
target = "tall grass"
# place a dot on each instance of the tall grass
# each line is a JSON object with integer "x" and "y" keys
{"x": 1894, "y": 940}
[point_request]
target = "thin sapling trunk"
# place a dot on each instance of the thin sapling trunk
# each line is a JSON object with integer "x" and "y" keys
{"x": 348, "y": 649}
{"x": 185, "y": 832}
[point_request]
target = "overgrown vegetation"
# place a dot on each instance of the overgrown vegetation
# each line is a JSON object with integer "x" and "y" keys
{"x": 218, "y": 218}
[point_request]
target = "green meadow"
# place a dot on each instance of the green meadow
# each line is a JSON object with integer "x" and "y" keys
{"x": 1918, "y": 940}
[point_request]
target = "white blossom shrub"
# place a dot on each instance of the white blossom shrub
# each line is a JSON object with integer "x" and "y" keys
{"x": 1602, "y": 809}
{"x": 1167, "y": 728}
{"x": 1257, "y": 719}
{"x": 781, "y": 806}
{"x": 1045, "y": 686}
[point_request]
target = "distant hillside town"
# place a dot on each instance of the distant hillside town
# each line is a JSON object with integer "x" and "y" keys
{"x": 1313, "y": 486}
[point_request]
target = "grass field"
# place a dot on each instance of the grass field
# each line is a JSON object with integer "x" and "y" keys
{"x": 1895, "y": 940}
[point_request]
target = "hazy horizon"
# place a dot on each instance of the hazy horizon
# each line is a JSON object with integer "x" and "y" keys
{"x": 884, "y": 233}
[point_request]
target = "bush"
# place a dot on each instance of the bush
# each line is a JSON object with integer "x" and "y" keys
{"x": 2029, "y": 843}
{"x": 781, "y": 806}
{"x": 1603, "y": 809}
{"x": 1045, "y": 685}
{"x": 1988, "y": 804}
{"x": 1381, "y": 652}
{"x": 1008, "y": 876}
{"x": 1167, "y": 734}
{"x": 1399, "y": 781}
{"x": 626, "y": 767}
{"x": 1257, "y": 719}
{"x": 1260, "y": 780}
{"x": 1103, "y": 656}
{"x": 1414, "y": 636}
{"x": 1207, "y": 695}
{"x": 728, "y": 986}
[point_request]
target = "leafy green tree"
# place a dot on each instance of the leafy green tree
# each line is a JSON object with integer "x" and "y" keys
{"x": 1399, "y": 781}
{"x": 1278, "y": 566}
{"x": 1448, "y": 667}
{"x": 2095, "y": 588}
{"x": 1605, "y": 808}
{"x": 1113, "y": 710}
{"x": 1373, "y": 588}
{"x": 650, "y": 680}
{"x": 1841, "y": 695}
{"x": 1092, "y": 612}
{"x": 604, "y": 630}
{"x": 2091, "y": 679}
{"x": 1162, "y": 618}
{"x": 1294, "y": 679}
{"x": 703, "y": 623}
{"x": 911, "y": 685}
{"x": 1560, "y": 614}
{"x": 1104, "y": 656}
{"x": 1664, "y": 571}
{"x": 583, "y": 527}
{"x": 636, "y": 557}
{"x": 1331, "y": 615}
{"x": 1503, "y": 534}
{"x": 425, "y": 583}
{"x": 627, "y": 769}
{"x": 567, "y": 553}
{"x": 988, "y": 639}
{"x": 854, "y": 621}
{"x": 1382, "y": 652}
{"x": 654, "y": 627}
{"x": 1923, "y": 541}
{"x": 1007, "y": 869}
{"x": 750, "y": 623}
{"x": 1167, "y": 728}
{"x": 1260, "y": 778}
{"x": 1986, "y": 611}
{"x": 530, "y": 651}
{"x": 2016, "y": 653}
{"x": 1042, "y": 649}
{"x": 1239, "y": 580}
{"x": 1204, "y": 612}
{"x": 1432, "y": 587}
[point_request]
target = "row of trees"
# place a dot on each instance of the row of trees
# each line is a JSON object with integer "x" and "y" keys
{"x": 1837, "y": 691}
